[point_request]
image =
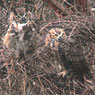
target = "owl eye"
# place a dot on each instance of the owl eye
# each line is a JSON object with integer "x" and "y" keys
{"x": 23, "y": 20}
{"x": 54, "y": 36}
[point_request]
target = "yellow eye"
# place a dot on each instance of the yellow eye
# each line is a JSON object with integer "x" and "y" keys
{"x": 54, "y": 36}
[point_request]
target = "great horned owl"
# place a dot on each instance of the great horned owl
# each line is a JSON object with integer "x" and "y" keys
{"x": 22, "y": 35}
{"x": 76, "y": 48}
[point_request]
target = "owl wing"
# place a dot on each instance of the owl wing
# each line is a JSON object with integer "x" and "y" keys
{"x": 79, "y": 54}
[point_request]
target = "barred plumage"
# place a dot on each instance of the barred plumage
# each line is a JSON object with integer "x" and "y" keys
{"x": 76, "y": 51}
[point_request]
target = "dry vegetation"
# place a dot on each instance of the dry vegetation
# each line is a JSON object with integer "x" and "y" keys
{"x": 31, "y": 34}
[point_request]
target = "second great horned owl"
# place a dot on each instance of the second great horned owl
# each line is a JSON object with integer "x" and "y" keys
{"x": 22, "y": 35}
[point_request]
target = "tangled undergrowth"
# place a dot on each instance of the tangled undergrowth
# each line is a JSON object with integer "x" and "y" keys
{"x": 33, "y": 42}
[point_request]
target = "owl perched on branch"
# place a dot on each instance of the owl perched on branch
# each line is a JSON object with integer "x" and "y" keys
{"x": 76, "y": 47}
{"x": 21, "y": 35}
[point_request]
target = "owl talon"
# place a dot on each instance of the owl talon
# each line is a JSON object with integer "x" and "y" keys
{"x": 88, "y": 81}
{"x": 63, "y": 74}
